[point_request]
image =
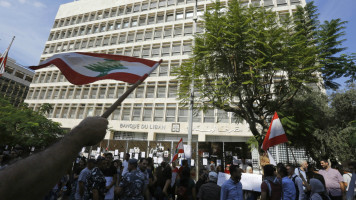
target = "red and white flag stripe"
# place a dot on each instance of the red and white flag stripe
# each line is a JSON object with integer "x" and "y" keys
{"x": 179, "y": 149}
{"x": 275, "y": 135}
{"x": 82, "y": 68}
{"x": 3, "y": 60}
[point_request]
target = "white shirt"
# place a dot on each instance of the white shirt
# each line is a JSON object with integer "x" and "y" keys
{"x": 125, "y": 164}
{"x": 347, "y": 179}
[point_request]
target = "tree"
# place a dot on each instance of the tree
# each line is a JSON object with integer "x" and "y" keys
{"x": 248, "y": 62}
{"x": 25, "y": 127}
{"x": 323, "y": 125}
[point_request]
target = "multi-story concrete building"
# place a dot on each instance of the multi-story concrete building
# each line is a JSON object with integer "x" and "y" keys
{"x": 15, "y": 82}
{"x": 151, "y": 116}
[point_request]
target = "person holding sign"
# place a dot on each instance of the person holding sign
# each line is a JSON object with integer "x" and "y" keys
{"x": 232, "y": 188}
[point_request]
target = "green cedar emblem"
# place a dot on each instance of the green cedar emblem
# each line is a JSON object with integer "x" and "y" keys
{"x": 105, "y": 67}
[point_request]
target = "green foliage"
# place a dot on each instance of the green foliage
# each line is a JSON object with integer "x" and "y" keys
{"x": 105, "y": 67}
{"x": 323, "y": 126}
{"x": 22, "y": 126}
{"x": 249, "y": 63}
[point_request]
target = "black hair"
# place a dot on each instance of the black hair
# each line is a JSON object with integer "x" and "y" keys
{"x": 283, "y": 171}
{"x": 325, "y": 160}
{"x": 184, "y": 162}
{"x": 143, "y": 159}
{"x": 269, "y": 170}
{"x": 91, "y": 161}
{"x": 233, "y": 168}
{"x": 127, "y": 154}
{"x": 291, "y": 166}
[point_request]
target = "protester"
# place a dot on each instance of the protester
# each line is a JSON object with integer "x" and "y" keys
{"x": 132, "y": 185}
{"x": 125, "y": 164}
{"x": 118, "y": 165}
{"x": 163, "y": 189}
{"x": 298, "y": 182}
{"x": 313, "y": 173}
{"x": 347, "y": 177}
{"x": 143, "y": 174}
{"x": 271, "y": 188}
{"x": 317, "y": 190}
{"x": 232, "y": 188}
{"x": 243, "y": 165}
{"x": 212, "y": 166}
{"x": 110, "y": 174}
{"x": 184, "y": 165}
{"x": 333, "y": 181}
{"x": 288, "y": 188}
{"x": 76, "y": 172}
{"x": 210, "y": 190}
{"x": 80, "y": 188}
{"x": 185, "y": 186}
{"x": 301, "y": 171}
{"x": 95, "y": 183}
{"x": 248, "y": 194}
{"x": 219, "y": 169}
{"x": 39, "y": 172}
{"x": 203, "y": 178}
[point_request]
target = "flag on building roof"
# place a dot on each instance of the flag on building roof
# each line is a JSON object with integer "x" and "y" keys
{"x": 3, "y": 58}
{"x": 179, "y": 149}
{"x": 275, "y": 134}
{"x": 82, "y": 68}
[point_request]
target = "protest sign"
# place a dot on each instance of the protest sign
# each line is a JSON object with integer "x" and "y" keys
{"x": 249, "y": 181}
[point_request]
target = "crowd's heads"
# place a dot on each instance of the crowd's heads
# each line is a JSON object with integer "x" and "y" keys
{"x": 269, "y": 170}
{"x": 109, "y": 157}
{"x": 143, "y": 164}
{"x": 235, "y": 172}
{"x": 90, "y": 163}
{"x": 213, "y": 176}
{"x": 185, "y": 163}
{"x": 186, "y": 172}
{"x": 282, "y": 171}
{"x": 290, "y": 169}
{"x": 132, "y": 164}
{"x": 127, "y": 156}
{"x": 101, "y": 162}
{"x": 303, "y": 164}
{"x": 249, "y": 170}
{"x": 324, "y": 163}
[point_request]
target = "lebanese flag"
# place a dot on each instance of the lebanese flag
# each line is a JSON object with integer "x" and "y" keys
{"x": 3, "y": 60}
{"x": 275, "y": 134}
{"x": 82, "y": 68}
{"x": 179, "y": 149}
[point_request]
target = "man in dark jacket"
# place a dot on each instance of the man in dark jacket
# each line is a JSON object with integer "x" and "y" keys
{"x": 210, "y": 190}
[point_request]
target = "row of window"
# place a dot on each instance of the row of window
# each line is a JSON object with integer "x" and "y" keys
{"x": 118, "y": 11}
{"x": 158, "y": 112}
{"x": 123, "y": 23}
{"x": 143, "y": 6}
{"x": 18, "y": 73}
{"x": 160, "y": 89}
{"x": 123, "y": 38}
{"x": 166, "y": 68}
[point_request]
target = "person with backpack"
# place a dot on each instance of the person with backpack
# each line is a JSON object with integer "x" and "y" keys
{"x": 271, "y": 188}
{"x": 288, "y": 188}
{"x": 298, "y": 182}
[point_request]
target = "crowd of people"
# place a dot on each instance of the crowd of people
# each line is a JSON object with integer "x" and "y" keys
{"x": 109, "y": 179}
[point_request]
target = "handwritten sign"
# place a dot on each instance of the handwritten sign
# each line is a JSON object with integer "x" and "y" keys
{"x": 249, "y": 181}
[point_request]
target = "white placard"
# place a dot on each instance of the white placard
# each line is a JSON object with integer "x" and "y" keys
{"x": 98, "y": 150}
{"x": 143, "y": 154}
{"x": 116, "y": 152}
{"x": 251, "y": 182}
{"x": 187, "y": 151}
{"x": 192, "y": 162}
{"x": 150, "y": 155}
{"x": 218, "y": 162}
{"x": 83, "y": 149}
{"x": 32, "y": 149}
{"x": 205, "y": 161}
{"x": 136, "y": 156}
{"x": 116, "y": 157}
{"x": 222, "y": 177}
{"x": 235, "y": 160}
{"x": 155, "y": 159}
{"x": 122, "y": 155}
{"x": 159, "y": 160}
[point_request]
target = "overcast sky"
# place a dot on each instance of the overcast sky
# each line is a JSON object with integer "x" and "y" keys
{"x": 31, "y": 21}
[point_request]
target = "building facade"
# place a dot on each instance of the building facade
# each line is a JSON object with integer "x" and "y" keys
{"x": 151, "y": 116}
{"x": 15, "y": 82}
